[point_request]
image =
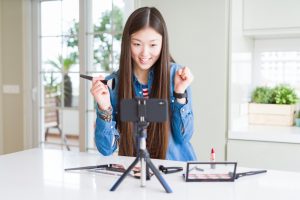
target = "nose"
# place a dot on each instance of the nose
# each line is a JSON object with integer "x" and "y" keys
{"x": 145, "y": 51}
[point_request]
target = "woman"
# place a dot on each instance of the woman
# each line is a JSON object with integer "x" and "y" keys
{"x": 146, "y": 71}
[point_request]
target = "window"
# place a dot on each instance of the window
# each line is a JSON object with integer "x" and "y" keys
{"x": 277, "y": 62}
{"x": 104, "y": 36}
{"x": 59, "y": 70}
{"x": 266, "y": 62}
{"x": 62, "y": 59}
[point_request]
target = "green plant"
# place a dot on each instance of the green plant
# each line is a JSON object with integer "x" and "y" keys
{"x": 284, "y": 94}
{"x": 105, "y": 34}
{"x": 51, "y": 84}
{"x": 64, "y": 65}
{"x": 103, "y": 53}
{"x": 262, "y": 95}
{"x": 281, "y": 94}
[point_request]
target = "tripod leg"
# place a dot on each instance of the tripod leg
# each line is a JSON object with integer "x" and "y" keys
{"x": 148, "y": 176}
{"x": 158, "y": 176}
{"x": 114, "y": 187}
{"x": 143, "y": 172}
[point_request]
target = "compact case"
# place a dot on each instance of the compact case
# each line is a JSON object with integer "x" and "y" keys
{"x": 210, "y": 171}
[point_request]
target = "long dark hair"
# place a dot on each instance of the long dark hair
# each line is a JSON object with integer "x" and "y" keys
{"x": 157, "y": 138}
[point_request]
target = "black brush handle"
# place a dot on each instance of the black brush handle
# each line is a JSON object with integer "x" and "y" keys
{"x": 250, "y": 173}
{"x": 103, "y": 81}
{"x": 91, "y": 78}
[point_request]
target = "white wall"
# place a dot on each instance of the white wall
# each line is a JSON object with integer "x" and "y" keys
{"x": 15, "y": 62}
{"x": 1, "y": 111}
{"x": 11, "y": 67}
{"x": 198, "y": 31}
{"x": 31, "y": 138}
{"x": 265, "y": 155}
{"x": 241, "y": 61}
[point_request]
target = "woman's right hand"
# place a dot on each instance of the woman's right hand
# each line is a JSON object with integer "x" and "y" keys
{"x": 101, "y": 93}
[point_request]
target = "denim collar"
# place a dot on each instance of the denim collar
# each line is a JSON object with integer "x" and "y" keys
{"x": 138, "y": 85}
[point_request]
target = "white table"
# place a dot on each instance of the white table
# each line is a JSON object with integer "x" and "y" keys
{"x": 38, "y": 174}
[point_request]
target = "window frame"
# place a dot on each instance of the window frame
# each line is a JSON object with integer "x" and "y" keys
{"x": 83, "y": 48}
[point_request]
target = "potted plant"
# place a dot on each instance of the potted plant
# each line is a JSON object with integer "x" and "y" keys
{"x": 273, "y": 106}
{"x": 65, "y": 64}
{"x": 298, "y": 119}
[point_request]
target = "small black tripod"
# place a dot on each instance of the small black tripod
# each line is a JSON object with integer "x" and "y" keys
{"x": 142, "y": 152}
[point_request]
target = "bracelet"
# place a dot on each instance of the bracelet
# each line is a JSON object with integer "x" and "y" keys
{"x": 106, "y": 115}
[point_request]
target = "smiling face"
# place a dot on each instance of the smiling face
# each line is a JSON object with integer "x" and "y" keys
{"x": 145, "y": 48}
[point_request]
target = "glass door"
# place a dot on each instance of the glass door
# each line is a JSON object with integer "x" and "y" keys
{"x": 76, "y": 36}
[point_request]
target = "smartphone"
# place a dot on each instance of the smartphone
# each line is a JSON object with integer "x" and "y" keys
{"x": 152, "y": 110}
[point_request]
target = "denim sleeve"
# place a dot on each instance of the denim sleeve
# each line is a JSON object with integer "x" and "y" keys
{"x": 182, "y": 121}
{"x": 106, "y": 135}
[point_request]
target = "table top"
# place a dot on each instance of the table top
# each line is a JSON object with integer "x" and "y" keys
{"x": 39, "y": 174}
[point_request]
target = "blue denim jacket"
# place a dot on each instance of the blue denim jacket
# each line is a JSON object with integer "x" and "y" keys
{"x": 182, "y": 122}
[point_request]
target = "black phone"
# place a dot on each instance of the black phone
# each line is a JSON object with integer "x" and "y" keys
{"x": 151, "y": 110}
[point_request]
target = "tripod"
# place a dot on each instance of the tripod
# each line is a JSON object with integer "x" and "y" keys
{"x": 142, "y": 152}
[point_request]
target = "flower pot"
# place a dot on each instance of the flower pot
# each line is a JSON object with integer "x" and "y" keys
{"x": 271, "y": 114}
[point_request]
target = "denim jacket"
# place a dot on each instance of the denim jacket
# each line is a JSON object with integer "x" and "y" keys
{"x": 181, "y": 122}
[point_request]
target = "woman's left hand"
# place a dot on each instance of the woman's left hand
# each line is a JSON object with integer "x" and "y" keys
{"x": 183, "y": 78}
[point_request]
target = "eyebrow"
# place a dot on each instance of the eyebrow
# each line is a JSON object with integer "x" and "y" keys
{"x": 141, "y": 41}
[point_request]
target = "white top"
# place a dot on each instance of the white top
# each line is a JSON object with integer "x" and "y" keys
{"x": 39, "y": 174}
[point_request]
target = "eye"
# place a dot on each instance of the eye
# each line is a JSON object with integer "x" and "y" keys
{"x": 153, "y": 45}
{"x": 136, "y": 44}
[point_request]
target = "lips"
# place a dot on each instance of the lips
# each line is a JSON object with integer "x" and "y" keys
{"x": 144, "y": 60}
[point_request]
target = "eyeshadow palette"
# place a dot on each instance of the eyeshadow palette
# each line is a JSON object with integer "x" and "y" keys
{"x": 210, "y": 171}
